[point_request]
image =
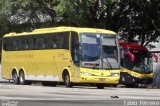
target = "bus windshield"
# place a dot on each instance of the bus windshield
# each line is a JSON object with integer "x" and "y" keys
{"x": 137, "y": 60}
{"x": 99, "y": 51}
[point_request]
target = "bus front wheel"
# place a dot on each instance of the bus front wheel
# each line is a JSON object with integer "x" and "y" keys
{"x": 15, "y": 78}
{"x": 67, "y": 80}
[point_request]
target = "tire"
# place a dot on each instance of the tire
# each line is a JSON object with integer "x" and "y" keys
{"x": 22, "y": 78}
{"x": 15, "y": 78}
{"x": 100, "y": 86}
{"x": 67, "y": 82}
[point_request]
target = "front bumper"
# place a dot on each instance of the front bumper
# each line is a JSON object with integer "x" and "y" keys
{"x": 130, "y": 79}
{"x": 104, "y": 80}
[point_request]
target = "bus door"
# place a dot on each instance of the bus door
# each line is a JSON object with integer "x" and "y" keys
{"x": 75, "y": 55}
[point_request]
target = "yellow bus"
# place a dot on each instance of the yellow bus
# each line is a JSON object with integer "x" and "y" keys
{"x": 62, "y": 54}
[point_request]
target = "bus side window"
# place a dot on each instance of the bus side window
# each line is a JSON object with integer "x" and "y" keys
{"x": 75, "y": 48}
{"x": 46, "y": 42}
{"x": 6, "y": 46}
{"x": 40, "y": 42}
{"x": 26, "y": 43}
{"x": 30, "y": 43}
{"x": 10, "y": 43}
{"x": 36, "y": 43}
{"x": 15, "y": 43}
{"x": 49, "y": 43}
{"x": 53, "y": 41}
{"x": 43, "y": 43}
{"x": 23, "y": 43}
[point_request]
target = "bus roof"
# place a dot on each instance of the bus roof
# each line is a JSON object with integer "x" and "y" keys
{"x": 133, "y": 46}
{"x": 62, "y": 29}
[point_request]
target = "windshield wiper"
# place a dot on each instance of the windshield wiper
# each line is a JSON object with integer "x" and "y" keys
{"x": 107, "y": 63}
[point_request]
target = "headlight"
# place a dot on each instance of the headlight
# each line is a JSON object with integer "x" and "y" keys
{"x": 134, "y": 75}
{"x": 86, "y": 73}
{"x": 115, "y": 74}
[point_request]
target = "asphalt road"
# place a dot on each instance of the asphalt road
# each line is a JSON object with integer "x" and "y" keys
{"x": 38, "y": 95}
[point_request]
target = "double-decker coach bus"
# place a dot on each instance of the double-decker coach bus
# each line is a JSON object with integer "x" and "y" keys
{"x": 136, "y": 62}
{"x": 62, "y": 54}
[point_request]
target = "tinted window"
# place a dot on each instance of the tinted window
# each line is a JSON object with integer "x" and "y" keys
{"x": 75, "y": 48}
{"x": 37, "y": 42}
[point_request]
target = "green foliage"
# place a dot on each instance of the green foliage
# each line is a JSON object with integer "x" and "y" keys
{"x": 26, "y": 15}
{"x": 141, "y": 19}
{"x": 129, "y": 18}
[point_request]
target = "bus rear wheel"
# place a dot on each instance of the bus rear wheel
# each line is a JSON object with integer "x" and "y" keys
{"x": 15, "y": 78}
{"x": 67, "y": 80}
{"x": 21, "y": 78}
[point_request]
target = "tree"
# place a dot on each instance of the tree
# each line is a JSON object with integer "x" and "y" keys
{"x": 26, "y": 15}
{"x": 129, "y": 18}
{"x": 78, "y": 12}
{"x": 141, "y": 18}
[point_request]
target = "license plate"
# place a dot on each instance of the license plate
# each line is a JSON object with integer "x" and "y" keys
{"x": 144, "y": 81}
{"x": 102, "y": 79}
